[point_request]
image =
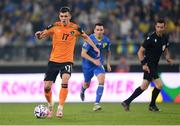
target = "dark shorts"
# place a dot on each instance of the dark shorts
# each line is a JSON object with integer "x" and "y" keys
{"x": 55, "y": 68}
{"x": 152, "y": 75}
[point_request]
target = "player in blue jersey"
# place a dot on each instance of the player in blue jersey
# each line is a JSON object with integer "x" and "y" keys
{"x": 93, "y": 65}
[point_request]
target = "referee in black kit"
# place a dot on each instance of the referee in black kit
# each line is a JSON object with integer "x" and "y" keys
{"x": 149, "y": 54}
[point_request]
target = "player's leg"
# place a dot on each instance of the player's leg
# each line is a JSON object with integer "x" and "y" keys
{"x": 88, "y": 74}
{"x": 146, "y": 80}
{"x": 48, "y": 92}
{"x": 48, "y": 96}
{"x": 65, "y": 75}
{"x": 100, "y": 73}
{"x": 83, "y": 89}
{"x": 50, "y": 77}
{"x": 63, "y": 94}
{"x": 155, "y": 92}
{"x": 135, "y": 94}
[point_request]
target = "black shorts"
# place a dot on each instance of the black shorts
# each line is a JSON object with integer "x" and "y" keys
{"x": 55, "y": 68}
{"x": 152, "y": 75}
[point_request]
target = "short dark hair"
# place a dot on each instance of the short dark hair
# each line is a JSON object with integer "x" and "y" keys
{"x": 160, "y": 21}
{"x": 65, "y": 9}
{"x": 99, "y": 24}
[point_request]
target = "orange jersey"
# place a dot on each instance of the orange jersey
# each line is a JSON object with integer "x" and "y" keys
{"x": 63, "y": 41}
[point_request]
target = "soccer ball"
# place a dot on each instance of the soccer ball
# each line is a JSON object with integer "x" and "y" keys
{"x": 40, "y": 111}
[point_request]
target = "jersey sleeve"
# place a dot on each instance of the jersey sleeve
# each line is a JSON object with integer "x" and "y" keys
{"x": 86, "y": 46}
{"x": 146, "y": 42}
{"x": 79, "y": 30}
{"x": 50, "y": 29}
{"x": 109, "y": 45}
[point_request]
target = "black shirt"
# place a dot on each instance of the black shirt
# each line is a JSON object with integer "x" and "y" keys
{"x": 154, "y": 46}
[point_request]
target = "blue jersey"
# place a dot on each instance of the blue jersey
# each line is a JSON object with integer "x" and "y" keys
{"x": 103, "y": 45}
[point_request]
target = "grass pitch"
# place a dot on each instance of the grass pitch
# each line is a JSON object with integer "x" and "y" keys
{"x": 82, "y": 114}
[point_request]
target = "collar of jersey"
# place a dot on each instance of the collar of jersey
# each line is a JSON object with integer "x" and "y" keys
{"x": 60, "y": 24}
{"x": 98, "y": 38}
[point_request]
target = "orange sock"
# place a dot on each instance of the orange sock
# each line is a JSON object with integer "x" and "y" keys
{"x": 48, "y": 96}
{"x": 62, "y": 96}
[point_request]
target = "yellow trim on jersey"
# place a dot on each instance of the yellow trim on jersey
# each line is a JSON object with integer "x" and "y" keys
{"x": 99, "y": 39}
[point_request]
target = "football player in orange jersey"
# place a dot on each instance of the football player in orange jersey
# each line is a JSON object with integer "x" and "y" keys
{"x": 64, "y": 34}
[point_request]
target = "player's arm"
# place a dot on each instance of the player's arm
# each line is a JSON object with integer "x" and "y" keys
{"x": 167, "y": 56}
{"x": 45, "y": 33}
{"x": 109, "y": 60}
{"x": 142, "y": 59}
{"x": 86, "y": 56}
{"x": 41, "y": 34}
{"x": 88, "y": 40}
{"x": 141, "y": 55}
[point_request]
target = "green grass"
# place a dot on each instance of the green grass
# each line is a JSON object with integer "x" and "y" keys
{"x": 82, "y": 114}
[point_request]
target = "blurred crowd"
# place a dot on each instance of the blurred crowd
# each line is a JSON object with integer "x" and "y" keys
{"x": 127, "y": 21}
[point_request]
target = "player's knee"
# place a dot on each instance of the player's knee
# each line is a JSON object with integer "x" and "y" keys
{"x": 86, "y": 85}
{"x": 65, "y": 79}
{"x": 101, "y": 79}
{"x": 47, "y": 86}
{"x": 144, "y": 86}
{"x": 159, "y": 86}
{"x": 47, "y": 89}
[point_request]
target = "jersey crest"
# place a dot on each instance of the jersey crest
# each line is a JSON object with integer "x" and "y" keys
{"x": 72, "y": 33}
{"x": 104, "y": 45}
{"x": 155, "y": 40}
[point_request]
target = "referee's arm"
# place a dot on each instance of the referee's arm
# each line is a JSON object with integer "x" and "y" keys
{"x": 141, "y": 53}
{"x": 142, "y": 59}
{"x": 167, "y": 56}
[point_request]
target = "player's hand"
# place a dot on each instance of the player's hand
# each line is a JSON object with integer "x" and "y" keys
{"x": 170, "y": 61}
{"x": 38, "y": 34}
{"x": 97, "y": 50}
{"x": 108, "y": 68}
{"x": 146, "y": 68}
{"x": 97, "y": 62}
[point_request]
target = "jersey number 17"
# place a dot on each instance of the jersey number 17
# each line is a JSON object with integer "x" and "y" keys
{"x": 65, "y": 36}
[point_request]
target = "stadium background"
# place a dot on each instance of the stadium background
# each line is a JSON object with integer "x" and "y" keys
{"x": 23, "y": 61}
{"x": 127, "y": 22}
